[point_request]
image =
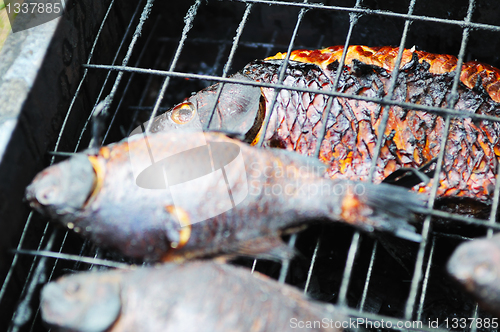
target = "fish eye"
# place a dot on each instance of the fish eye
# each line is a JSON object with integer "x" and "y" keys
{"x": 47, "y": 196}
{"x": 183, "y": 113}
{"x": 72, "y": 288}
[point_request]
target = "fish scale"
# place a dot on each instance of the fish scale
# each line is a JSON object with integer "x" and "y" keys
{"x": 412, "y": 138}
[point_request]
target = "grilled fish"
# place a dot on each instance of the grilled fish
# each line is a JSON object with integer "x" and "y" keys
{"x": 412, "y": 138}
{"x": 180, "y": 195}
{"x": 476, "y": 266}
{"x": 182, "y": 297}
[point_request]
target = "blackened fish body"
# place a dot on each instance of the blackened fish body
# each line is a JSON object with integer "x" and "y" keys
{"x": 412, "y": 138}
{"x": 476, "y": 266}
{"x": 180, "y": 195}
{"x": 187, "y": 297}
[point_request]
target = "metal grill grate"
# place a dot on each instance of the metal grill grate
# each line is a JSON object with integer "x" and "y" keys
{"x": 353, "y": 265}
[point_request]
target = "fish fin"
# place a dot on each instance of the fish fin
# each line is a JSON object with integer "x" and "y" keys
{"x": 382, "y": 207}
{"x": 268, "y": 247}
{"x": 410, "y": 177}
{"x": 407, "y": 177}
{"x": 412, "y": 64}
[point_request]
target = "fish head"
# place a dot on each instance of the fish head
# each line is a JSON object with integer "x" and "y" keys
{"x": 86, "y": 302}
{"x": 476, "y": 266}
{"x": 64, "y": 188}
{"x": 240, "y": 110}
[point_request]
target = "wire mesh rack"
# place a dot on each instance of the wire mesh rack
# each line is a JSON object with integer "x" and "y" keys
{"x": 170, "y": 50}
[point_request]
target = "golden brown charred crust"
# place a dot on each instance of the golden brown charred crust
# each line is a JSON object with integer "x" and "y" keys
{"x": 411, "y": 138}
{"x": 385, "y": 57}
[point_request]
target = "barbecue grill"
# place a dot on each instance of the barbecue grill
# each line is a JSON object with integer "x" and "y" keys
{"x": 148, "y": 56}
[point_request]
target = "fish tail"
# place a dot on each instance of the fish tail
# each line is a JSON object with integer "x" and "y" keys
{"x": 381, "y": 207}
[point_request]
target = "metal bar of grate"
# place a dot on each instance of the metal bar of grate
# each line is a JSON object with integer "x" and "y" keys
{"x": 228, "y": 64}
{"x": 135, "y": 37}
{"x": 311, "y": 266}
{"x": 351, "y": 256}
{"x": 285, "y": 265}
{"x": 281, "y": 76}
{"x": 188, "y": 19}
{"x": 366, "y": 11}
{"x": 368, "y": 276}
{"x": 137, "y": 63}
{"x": 390, "y": 94}
{"x": 418, "y": 107}
{"x": 383, "y": 123}
{"x": 494, "y": 203}
{"x": 267, "y": 46}
{"x": 425, "y": 282}
{"x": 145, "y": 92}
{"x": 474, "y": 316}
{"x": 84, "y": 76}
{"x": 23, "y": 312}
{"x": 353, "y": 19}
{"x": 409, "y": 310}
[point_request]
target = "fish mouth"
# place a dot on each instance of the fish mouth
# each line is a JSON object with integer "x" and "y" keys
{"x": 30, "y": 197}
{"x": 67, "y": 187}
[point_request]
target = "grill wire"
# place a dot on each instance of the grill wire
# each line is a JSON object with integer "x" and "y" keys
{"x": 118, "y": 84}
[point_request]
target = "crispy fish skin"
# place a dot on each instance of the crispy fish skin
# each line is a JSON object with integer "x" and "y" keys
{"x": 199, "y": 296}
{"x": 412, "y": 138}
{"x": 385, "y": 57}
{"x": 475, "y": 265}
{"x": 280, "y": 192}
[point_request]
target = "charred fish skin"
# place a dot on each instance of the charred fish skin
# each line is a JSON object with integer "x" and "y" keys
{"x": 411, "y": 138}
{"x": 385, "y": 57}
{"x": 275, "y": 191}
{"x": 181, "y": 297}
{"x": 475, "y": 265}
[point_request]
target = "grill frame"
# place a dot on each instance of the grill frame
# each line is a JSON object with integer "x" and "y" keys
{"x": 51, "y": 237}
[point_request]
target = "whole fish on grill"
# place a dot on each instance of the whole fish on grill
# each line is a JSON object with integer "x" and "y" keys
{"x": 476, "y": 267}
{"x": 180, "y": 195}
{"x": 199, "y": 296}
{"x": 411, "y": 139}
